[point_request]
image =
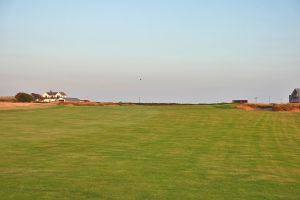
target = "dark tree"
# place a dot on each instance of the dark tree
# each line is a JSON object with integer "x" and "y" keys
{"x": 36, "y": 96}
{"x": 23, "y": 97}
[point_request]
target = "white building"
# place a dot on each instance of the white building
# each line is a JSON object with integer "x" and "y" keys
{"x": 54, "y": 96}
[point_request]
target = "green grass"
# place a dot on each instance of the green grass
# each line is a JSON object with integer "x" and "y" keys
{"x": 149, "y": 152}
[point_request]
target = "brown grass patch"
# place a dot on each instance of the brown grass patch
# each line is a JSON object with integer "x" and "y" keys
{"x": 13, "y": 106}
{"x": 255, "y": 106}
{"x": 7, "y": 99}
{"x": 246, "y": 107}
{"x": 290, "y": 107}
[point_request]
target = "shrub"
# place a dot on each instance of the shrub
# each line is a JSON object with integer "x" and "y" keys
{"x": 23, "y": 97}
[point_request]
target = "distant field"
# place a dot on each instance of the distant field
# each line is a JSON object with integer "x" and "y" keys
{"x": 149, "y": 152}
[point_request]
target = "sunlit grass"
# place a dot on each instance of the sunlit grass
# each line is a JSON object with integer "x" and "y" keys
{"x": 149, "y": 152}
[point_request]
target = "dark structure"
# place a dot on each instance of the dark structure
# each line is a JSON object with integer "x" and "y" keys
{"x": 295, "y": 96}
{"x": 240, "y": 101}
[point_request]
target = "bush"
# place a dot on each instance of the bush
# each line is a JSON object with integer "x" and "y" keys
{"x": 23, "y": 97}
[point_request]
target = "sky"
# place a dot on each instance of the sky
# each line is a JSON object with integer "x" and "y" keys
{"x": 184, "y": 51}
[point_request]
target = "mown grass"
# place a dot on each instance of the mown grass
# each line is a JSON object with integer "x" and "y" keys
{"x": 149, "y": 152}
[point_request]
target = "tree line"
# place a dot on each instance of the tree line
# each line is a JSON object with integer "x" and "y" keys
{"x": 25, "y": 97}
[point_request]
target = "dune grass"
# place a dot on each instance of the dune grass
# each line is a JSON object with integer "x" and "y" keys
{"x": 149, "y": 152}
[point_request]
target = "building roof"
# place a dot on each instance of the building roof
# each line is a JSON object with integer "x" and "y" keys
{"x": 51, "y": 93}
{"x": 298, "y": 90}
{"x": 54, "y": 93}
{"x": 72, "y": 99}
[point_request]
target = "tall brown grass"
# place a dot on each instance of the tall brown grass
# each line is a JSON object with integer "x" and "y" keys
{"x": 290, "y": 107}
{"x": 7, "y": 99}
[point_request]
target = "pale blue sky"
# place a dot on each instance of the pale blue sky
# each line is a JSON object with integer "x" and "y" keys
{"x": 185, "y": 51}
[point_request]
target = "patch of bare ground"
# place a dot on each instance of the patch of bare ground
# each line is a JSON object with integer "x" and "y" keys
{"x": 17, "y": 105}
{"x": 290, "y": 107}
